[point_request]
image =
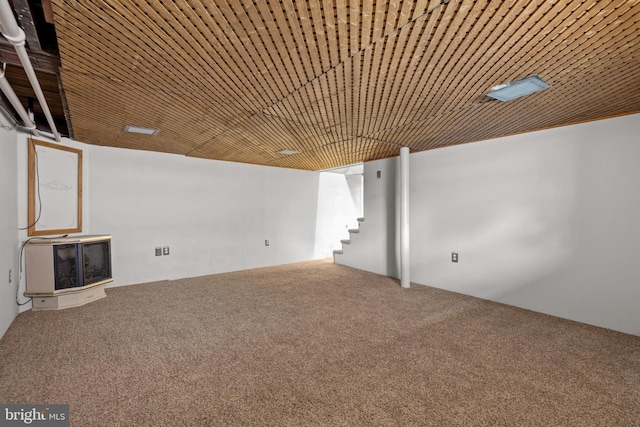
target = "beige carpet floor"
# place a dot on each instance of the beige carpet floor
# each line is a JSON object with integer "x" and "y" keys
{"x": 316, "y": 344}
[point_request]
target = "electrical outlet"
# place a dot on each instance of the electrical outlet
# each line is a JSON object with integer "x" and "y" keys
{"x": 454, "y": 256}
{"x": 165, "y": 250}
{"x": 267, "y": 243}
{"x": 158, "y": 251}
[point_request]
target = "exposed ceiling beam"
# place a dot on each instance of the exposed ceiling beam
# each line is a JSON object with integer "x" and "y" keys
{"x": 26, "y": 20}
{"x": 48, "y": 11}
{"x": 40, "y": 60}
{"x": 65, "y": 107}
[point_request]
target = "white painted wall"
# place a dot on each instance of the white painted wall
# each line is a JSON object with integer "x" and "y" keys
{"x": 214, "y": 216}
{"x": 353, "y": 203}
{"x": 8, "y": 226}
{"x": 546, "y": 221}
{"x": 339, "y": 207}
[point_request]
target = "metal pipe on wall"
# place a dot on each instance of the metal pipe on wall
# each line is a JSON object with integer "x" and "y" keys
{"x": 14, "y": 34}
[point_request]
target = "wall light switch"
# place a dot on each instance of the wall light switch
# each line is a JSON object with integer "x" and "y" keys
{"x": 158, "y": 251}
{"x": 165, "y": 250}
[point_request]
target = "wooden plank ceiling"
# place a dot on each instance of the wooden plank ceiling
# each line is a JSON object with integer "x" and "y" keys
{"x": 340, "y": 81}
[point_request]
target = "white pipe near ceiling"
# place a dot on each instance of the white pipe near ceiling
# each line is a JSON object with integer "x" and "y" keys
{"x": 13, "y": 99}
{"x": 12, "y": 32}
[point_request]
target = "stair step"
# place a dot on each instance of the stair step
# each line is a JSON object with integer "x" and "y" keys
{"x": 353, "y": 230}
{"x": 338, "y": 252}
{"x": 345, "y": 242}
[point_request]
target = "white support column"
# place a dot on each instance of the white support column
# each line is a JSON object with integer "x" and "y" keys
{"x": 405, "y": 263}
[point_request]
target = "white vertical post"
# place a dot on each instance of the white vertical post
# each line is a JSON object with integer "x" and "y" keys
{"x": 405, "y": 263}
{"x": 361, "y": 213}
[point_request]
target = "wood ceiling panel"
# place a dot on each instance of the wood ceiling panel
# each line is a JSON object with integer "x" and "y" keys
{"x": 341, "y": 81}
{"x": 116, "y": 104}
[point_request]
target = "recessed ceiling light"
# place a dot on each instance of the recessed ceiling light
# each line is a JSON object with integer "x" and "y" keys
{"x": 518, "y": 88}
{"x": 138, "y": 129}
{"x": 287, "y": 152}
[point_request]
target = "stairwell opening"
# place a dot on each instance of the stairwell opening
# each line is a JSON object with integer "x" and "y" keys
{"x": 340, "y": 205}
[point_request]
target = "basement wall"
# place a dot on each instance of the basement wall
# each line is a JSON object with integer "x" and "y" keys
{"x": 214, "y": 216}
{"x": 546, "y": 221}
{"x": 9, "y": 245}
